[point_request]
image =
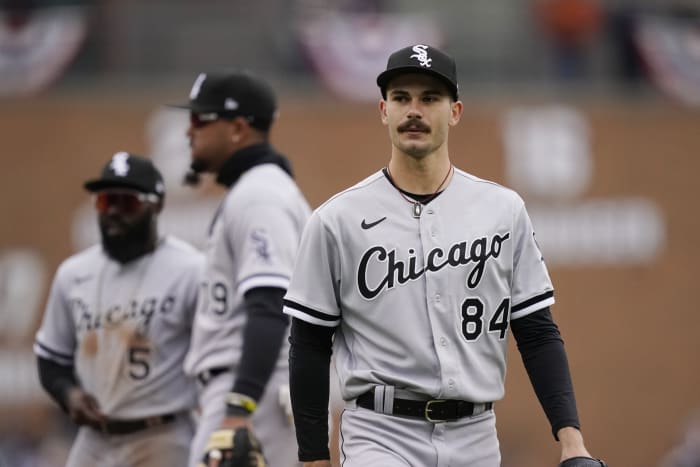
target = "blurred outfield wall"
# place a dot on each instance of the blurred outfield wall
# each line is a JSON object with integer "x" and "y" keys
{"x": 611, "y": 188}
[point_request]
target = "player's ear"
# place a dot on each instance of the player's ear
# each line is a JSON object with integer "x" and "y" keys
{"x": 456, "y": 109}
{"x": 382, "y": 112}
{"x": 240, "y": 129}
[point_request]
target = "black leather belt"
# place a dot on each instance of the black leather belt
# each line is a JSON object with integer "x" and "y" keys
{"x": 124, "y": 427}
{"x": 434, "y": 410}
{"x": 207, "y": 375}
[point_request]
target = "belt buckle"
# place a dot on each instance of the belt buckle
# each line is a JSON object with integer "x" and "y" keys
{"x": 150, "y": 422}
{"x": 204, "y": 377}
{"x": 103, "y": 427}
{"x": 429, "y": 409}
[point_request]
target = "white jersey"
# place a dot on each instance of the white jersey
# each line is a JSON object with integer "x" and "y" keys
{"x": 253, "y": 242}
{"x": 422, "y": 304}
{"x": 126, "y": 327}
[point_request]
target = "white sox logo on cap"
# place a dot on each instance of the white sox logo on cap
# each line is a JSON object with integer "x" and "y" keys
{"x": 421, "y": 54}
{"x": 130, "y": 171}
{"x": 197, "y": 86}
{"x": 120, "y": 164}
{"x": 229, "y": 103}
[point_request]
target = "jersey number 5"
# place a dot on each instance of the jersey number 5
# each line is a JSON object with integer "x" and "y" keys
{"x": 138, "y": 362}
{"x": 473, "y": 318}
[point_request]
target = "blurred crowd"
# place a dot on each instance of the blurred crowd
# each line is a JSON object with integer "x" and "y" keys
{"x": 591, "y": 44}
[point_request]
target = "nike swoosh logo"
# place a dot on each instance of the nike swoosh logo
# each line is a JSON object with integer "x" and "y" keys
{"x": 80, "y": 280}
{"x": 366, "y": 225}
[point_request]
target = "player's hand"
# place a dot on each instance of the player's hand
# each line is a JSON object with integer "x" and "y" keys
{"x": 571, "y": 442}
{"x": 84, "y": 409}
{"x": 234, "y": 422}
{"x": 231, "y": 424}
{"x": 233, "y": 448}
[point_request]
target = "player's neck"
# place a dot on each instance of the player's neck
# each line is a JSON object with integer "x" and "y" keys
{"x": 420, "y": 176}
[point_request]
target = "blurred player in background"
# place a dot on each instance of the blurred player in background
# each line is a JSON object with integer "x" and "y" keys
{"x": 239, "y": 347}
{"x": 117, "y": 327}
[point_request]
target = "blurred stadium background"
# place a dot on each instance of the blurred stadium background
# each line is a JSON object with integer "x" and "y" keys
{"x": 590, "y": 109}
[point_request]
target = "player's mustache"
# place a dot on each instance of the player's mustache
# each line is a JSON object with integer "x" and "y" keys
{"x": 414, "y": 125}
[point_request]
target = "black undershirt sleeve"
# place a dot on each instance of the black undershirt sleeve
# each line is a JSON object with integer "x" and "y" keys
{"x": 309, "y": 372}
{"x": 56, "y": 380}
{"x": 542, "y": 350}
{"x": 262, "y": 339}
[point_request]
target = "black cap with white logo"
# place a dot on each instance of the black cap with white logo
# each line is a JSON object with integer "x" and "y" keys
{"x": 420, "y": 58}
{"x": 232, "y": 94}
{"x": 130, "y": 171}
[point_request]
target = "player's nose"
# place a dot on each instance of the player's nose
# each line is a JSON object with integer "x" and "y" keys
{"x": 414, "y": 110}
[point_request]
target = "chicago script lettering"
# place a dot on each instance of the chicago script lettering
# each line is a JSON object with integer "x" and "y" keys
{"x": 397, "y": 271}
{"x": 139, "y": 311}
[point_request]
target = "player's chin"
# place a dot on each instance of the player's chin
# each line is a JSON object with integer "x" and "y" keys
{"x": 199, "y": 164}
{"x": 115, "y": 233}
{"x": 415, "y": 149}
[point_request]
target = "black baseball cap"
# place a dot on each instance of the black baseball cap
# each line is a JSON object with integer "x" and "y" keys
{"x": 127, "y": 170}
{"x": 232, "y": 94}
{"x": 422, "y": 59}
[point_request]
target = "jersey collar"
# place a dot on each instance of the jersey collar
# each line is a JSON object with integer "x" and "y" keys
{"x": 247, "y": 158}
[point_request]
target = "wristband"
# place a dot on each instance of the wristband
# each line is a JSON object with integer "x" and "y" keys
{"x": 239, "y": 404}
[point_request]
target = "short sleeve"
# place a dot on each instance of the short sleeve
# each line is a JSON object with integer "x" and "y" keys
{"x": 532, "y": 288}
{"x": 313, "y": 292}
{"x": 264, "y": 238}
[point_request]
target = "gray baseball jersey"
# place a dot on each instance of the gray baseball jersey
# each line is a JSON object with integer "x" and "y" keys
{"x": 253, "y": 243}
{"x": 425, "y": 303}
{"x": 126, "y": 327}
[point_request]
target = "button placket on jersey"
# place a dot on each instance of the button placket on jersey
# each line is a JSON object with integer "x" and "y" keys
{"x": 436, "y": 290}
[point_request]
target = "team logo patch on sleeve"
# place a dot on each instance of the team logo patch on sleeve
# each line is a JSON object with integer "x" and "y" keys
{"x": 261, "y": 243}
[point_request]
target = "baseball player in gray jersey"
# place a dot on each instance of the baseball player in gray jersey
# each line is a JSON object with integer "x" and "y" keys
{"x": 418, "y": 272}
{"x": 117, "y": 327}
{"x": 239, "y": 347}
